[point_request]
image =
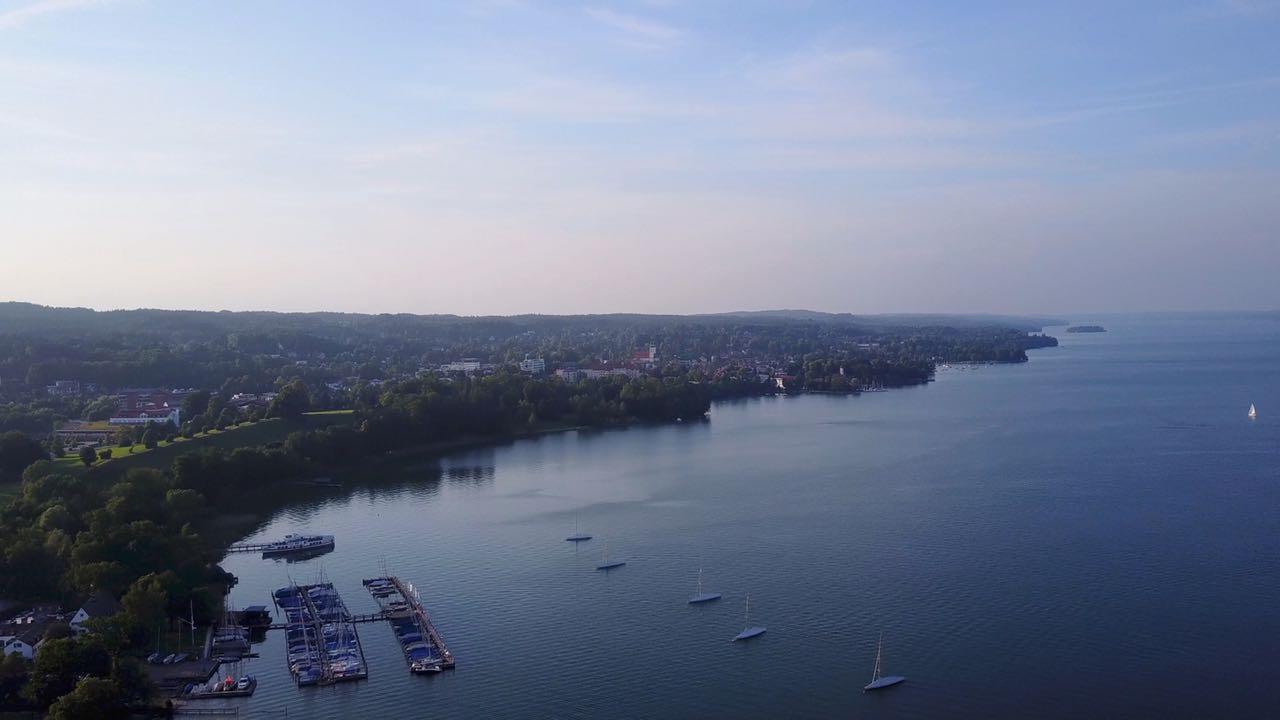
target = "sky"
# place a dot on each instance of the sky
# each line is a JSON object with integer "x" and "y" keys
{"x": 668, "y": 156}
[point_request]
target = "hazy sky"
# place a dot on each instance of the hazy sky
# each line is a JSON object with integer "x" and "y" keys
{"x": 648, "y": 156}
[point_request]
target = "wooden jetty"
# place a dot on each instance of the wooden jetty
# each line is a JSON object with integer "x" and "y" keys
{"x": 322, "y": 659}
{"x": 423, "y": 647}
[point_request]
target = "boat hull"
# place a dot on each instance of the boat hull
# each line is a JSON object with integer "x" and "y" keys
{"x": 611, "y": 565}
{"x": 884, "y": 682}
{"x": 751, "y": 632}
{"x": 315, "y": 548}
{"x": 703, "y": 597}
{"x": 578, "y": 538}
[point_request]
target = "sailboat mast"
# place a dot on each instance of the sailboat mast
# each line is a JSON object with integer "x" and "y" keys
{"x": 875, "y": 674}
{"x": 747, "y": 614}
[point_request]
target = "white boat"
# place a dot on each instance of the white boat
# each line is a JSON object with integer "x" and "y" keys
{"x": 606, "y": 563}
{"x": 701, "y": 597}
{"x": 751, "y": 630}
{"x": 295, "y": 543}
{"x": 1253, "y": 412}
{"x": 577, "y": 537}
{"x": 879, "y": 682}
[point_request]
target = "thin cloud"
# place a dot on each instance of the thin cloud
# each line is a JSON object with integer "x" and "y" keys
{"x": 13, "y": 18}
{"x": 640, "y": 32}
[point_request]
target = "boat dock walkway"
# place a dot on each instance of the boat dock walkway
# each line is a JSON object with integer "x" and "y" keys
{"x": 324, "y": 646}
{"x": 424, "y": 649}
{"x": 250, "y": 547}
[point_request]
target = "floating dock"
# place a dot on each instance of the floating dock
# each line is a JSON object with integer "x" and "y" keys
{"x": 424, "y": 649}
{"x": 324, "y": 647}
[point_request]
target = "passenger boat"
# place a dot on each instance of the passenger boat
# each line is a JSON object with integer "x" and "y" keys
{"x": 295, "y": 543}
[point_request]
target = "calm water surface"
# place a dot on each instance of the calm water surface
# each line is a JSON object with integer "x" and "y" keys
{"x": 1094, "y": 533}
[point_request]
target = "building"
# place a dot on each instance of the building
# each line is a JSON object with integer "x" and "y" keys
{"x": 142, "y": 416}
{"x": 645, "y": 357}
{"x": 81, "y": 432}
{"x": 537, "y": 366}
{"x": 64, "y": 388}
{"x": 466, "y": 365}
{"x": 25, "y": 643}
{"x": 569, "y": 375}
{"x": 99, "y": 604}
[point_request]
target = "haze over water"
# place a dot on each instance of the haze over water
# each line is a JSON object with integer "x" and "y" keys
{"x": 1090, "y": 534}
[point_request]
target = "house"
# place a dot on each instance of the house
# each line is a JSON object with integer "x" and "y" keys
{"x": 533, "y": 365}
{"x": 99, "y": 604}
{"x": 26, "y": 643}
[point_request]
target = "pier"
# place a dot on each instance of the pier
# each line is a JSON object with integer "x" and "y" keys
{"x": 424, "y": 649}
{"x": 324, "y": 647}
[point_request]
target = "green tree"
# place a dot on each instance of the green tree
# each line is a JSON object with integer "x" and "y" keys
{"x": 292, "y": 401}
{"x": 92, "y": 699}
{"x": 87, "y": 455}
{"x": 17, "y": 451}
{"x": 151, "y": 436}
{"x": 57, "y": 447}
{"x": 105, "y": 453}
{"x": 59, "y": 663}
{"x": 101, "y": 409}
{"x": 14, "y": 671}
{"x": 194, "y": 404}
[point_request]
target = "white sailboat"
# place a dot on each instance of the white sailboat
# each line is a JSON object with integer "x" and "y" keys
{"x": 577, "y": 537}
{"x": 751, "y": 630}
{"x": 606, "y": 563}
{"x": 1253, "y": 412}
{"x": 877, "y": 681}
{"x": 701, "y": 597}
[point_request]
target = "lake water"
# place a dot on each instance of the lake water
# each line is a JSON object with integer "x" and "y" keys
{"x": 1095, "y": 533}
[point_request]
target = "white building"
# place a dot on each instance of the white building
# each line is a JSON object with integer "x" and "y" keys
{"x": 536, "y": 366}
{"x": 142, "y": 417}
{"x": 463, "y": 366}
{"x": 24, "y": 645}
{"x": 98, "y": 604}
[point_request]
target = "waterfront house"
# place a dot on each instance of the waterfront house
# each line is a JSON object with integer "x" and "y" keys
{"x": 99, "y": 604}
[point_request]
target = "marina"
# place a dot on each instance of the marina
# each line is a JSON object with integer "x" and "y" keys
{"x": 323, "y": 645}
{"x": 424, "y": 650}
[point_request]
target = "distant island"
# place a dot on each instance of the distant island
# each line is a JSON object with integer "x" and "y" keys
{"x": 1086, "y": 329}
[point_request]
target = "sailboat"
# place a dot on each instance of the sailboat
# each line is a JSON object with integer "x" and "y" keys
{"x": 877, "y": 681}
{"x": 577, "y": 537}
{"x": 701, "y": 597}
{"x": 606, "y": 563}
{"x": 751, "y": 630}
{"x": 1253, "y": 412}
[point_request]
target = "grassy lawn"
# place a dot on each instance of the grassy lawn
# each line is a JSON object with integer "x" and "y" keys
{"x": 162, "y": 456}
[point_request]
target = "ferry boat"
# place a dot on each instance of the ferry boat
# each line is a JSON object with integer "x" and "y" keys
{"x": 295, "y": 543}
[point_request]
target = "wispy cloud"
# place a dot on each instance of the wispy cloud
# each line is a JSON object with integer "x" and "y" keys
{"x": 638, "y": 32}
{"x": 19, "y": 15}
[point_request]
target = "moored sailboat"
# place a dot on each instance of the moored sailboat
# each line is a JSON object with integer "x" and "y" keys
{"x": 606, "y": 563}
{"x": 751, "y": 630}
{"x": 701, "y": 597}
{"x": 577, "y": 537}
{"x": 879, "y": 682}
